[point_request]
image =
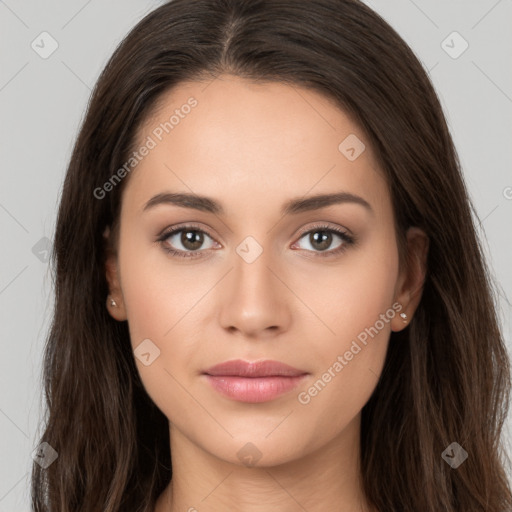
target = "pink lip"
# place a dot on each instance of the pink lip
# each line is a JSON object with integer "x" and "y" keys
{"x": 260, "y": 381}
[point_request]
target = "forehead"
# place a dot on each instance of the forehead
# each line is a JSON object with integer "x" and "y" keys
{"x": 252, "y": 141}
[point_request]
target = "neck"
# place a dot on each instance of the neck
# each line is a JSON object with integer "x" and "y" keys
{"x": 316, "y": 481}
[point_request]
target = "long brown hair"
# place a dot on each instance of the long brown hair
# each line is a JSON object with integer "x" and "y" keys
{"x": 446, "y": 377}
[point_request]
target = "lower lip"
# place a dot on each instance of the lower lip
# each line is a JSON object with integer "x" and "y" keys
{"x": 253, "y": 389}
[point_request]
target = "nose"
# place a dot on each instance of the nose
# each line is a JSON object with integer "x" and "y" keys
{"x": 255, "y": 302}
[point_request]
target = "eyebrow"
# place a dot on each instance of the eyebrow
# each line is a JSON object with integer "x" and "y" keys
{"x": 293, "y": 206}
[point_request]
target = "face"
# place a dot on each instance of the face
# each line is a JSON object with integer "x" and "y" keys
{"x": 251, "y": 267}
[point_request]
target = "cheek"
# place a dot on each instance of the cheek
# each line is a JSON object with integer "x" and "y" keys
{"x": 352, "y": 296}
{"x": 166, "y": 303}
{"x": 356, "y": 304}
{"x": 162, "y": 303}
{"x": 158, "y": 292}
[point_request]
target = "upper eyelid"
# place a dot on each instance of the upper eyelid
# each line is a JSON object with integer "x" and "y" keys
{"x": 325, "y": 225}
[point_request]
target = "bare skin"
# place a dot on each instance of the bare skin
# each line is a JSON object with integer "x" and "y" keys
{"x": 253, "y": 147}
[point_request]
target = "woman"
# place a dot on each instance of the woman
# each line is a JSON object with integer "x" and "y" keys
{"x": 269, "y": 290}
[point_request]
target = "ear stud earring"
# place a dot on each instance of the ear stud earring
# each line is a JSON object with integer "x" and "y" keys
{"x": 404, "y": 317}
{"x": 113, "y": 303}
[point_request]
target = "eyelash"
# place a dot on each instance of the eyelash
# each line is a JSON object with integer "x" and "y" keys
{"x": 346, "y": 238}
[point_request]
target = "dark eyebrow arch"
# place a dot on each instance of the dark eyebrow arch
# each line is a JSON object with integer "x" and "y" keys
{"x": 293, "y": 206}
{"x": 318, "y": 201}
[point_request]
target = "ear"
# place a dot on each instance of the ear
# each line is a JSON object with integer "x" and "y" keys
{"x": 117, "y": 311}
{"x": 411, "y": 277}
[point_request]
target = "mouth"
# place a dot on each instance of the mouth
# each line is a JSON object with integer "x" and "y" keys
{"x": 259, "y": 381}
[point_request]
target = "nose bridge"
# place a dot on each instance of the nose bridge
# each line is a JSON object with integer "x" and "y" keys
{"x": 252, "y": 262}
{"x": 255, "y": 300}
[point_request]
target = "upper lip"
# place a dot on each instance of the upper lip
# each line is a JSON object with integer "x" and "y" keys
{"x": 265, "y": 368}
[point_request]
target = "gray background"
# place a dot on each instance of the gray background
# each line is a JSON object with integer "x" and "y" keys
{"x": 42, "y": 103}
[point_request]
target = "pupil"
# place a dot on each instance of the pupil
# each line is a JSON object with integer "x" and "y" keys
{"x": 192, "y": 240}
{"x": 325, "y": 239}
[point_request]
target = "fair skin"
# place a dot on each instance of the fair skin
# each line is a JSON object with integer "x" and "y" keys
{"x": 251, "y": 148}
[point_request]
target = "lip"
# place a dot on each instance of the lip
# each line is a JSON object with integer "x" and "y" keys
{"x": 266, "y": 368}
{"x": 254, "y": 382}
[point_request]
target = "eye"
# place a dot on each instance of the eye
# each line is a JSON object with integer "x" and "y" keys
{"x": 188, "y": 241}
{"x": 185, "y": 241}
{"x": 321, "y": 238}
